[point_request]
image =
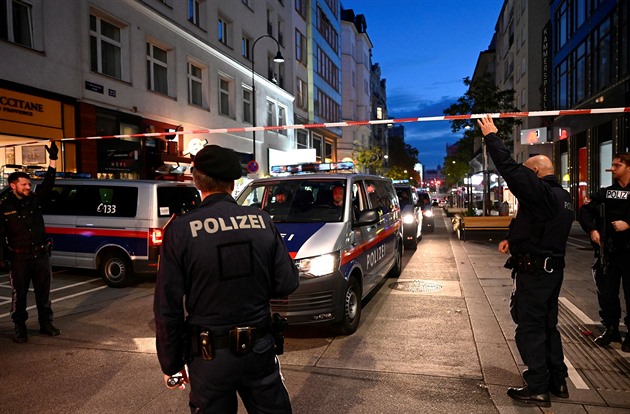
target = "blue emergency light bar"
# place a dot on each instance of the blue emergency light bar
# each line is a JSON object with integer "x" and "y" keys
{"x": 62, "y": 174}
{"x": 312, "y": 167}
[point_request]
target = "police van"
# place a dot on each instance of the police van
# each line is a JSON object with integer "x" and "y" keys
{"x": 344, "y": 232}
{"x": 114, "y": 226}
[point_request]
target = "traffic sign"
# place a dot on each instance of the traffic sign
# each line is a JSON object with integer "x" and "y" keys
{"x": 252, "y": 167}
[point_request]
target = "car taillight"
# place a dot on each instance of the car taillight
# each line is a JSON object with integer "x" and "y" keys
{"x": 155, "y": 237}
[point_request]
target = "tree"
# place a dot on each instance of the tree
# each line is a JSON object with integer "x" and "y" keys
{"x": 402, "y": 156}
{"x": 368, "y": 159}
{"x": 481, "y": 97}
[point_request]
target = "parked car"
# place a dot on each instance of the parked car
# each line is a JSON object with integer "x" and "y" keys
{"x": 342, "y": 251}
{"x": 114, "y": 226}
{"x": 428, "y": 220}
{"x": 411, "y": 214}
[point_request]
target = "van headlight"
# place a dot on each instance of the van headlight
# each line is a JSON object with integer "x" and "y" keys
{"x": 428, "y": 213}
{"x": 408, "y": 218}
{"x": 318, "y": 265}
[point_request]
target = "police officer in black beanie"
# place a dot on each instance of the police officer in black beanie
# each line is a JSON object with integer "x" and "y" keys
{"x": 537, "y": 242}
{"x": 23, "y": 238}
{"x": 219, "y": 267}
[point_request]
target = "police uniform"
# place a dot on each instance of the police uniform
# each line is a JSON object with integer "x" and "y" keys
{"x": 537, "y": 240}
{"x": 24, "y": 243}
{"x": 223, "y": 262}
{"x": 617, "y": 246}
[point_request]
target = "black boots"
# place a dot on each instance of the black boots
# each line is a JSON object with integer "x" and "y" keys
{"x": 525, "y": 395}
{"x": 48, "y": 329}
{"x": 611, "y": 334}
{"x": 20, "y": 333}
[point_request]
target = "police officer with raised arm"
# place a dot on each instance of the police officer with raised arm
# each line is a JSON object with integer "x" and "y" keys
{"x": 219, "y": 267}
{"x": 606, "y": 218}
{"x": 537, "y": 241}
{"x": 24, "y": 244}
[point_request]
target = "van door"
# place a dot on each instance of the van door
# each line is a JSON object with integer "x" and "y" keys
{"x": 60, "y": 209}
{"x": 107, "y": 217}
{"x": 382, "y": 244}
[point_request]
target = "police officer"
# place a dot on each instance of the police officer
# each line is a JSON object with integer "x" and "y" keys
{"x": 537, "y": 242}
{"x": 220, "y": 265}
{"x": 610, "y": 232}
{"x": 23, "y": 242}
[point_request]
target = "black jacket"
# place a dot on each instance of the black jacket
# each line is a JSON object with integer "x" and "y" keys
{"x": 616, "y": 206}
{"x": 545, "y": 214}
{"x": 22, "y": 224}
{"x": 226, "y": 261}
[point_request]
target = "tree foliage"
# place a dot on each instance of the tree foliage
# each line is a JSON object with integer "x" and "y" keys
{"x": 369, "y": 159}
{"x": 482, "y": 97}
{"x": 402, "y": 156}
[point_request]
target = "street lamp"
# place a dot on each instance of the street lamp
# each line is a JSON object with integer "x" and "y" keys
{"x": 278, "y": 59}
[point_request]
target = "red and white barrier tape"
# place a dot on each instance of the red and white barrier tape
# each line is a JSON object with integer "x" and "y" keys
{"x": 372, "y": 122}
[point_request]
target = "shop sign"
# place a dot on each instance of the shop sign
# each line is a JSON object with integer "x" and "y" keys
{"x": 29, "y": 109}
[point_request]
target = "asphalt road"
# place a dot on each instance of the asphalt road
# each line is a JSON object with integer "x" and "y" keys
{"x": 420, "y": 346}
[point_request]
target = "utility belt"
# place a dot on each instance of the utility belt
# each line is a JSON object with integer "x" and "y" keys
{"x": 533, "y": 263}
{"x": 30, "y": 250}
{"x": 240, "y": 340}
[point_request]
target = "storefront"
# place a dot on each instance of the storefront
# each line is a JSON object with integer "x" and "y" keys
{"x": 29, "y": 118}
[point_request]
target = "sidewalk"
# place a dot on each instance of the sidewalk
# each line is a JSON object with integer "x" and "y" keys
{"x": 599, "y": 378}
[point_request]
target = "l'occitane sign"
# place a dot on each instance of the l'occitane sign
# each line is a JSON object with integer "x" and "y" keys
{"x": 29, "y": 109}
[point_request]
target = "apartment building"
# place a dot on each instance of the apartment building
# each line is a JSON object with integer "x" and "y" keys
{"x": 86, "y": 68}
{"x": 356, "y": 50}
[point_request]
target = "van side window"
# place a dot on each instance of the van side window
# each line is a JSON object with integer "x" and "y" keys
{"x": 379, "y": 195}
{"x": 176, "y": 200}
{"x": 61, "y": 201}
{"x": 107, "y": 201}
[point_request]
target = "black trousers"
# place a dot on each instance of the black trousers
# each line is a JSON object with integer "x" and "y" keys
{"x": 255, "y": 376}
{"x": 607, "y": 283}
{"x": 24, "y": 269}
{"x": 534, "y": 309}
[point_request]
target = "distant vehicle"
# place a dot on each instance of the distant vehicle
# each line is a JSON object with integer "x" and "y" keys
{"x": 344, "y": 232}
{"x": 428, "y": 220}
{"x": 411, "y": 214}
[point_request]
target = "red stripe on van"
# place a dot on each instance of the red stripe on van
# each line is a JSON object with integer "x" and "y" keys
{"x": 362, "y": 248}
{"x": 98, "y": 232}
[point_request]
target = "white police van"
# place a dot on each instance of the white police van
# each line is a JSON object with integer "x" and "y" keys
{"x": 114, "y": 226}
{"x": 342, "y": 252}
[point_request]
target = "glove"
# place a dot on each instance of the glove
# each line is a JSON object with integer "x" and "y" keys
{"x": 53, "y": 151}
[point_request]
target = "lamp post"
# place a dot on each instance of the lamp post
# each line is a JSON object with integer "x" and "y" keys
{"x": 278, "y": 59}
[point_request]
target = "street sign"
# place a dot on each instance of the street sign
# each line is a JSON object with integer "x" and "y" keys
{"x": 252, "y": 167}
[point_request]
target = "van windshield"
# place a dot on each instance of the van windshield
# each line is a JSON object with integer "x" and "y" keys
{"x": 298, "y": 201}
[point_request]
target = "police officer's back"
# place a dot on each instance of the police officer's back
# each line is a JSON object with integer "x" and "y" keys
{"x": 226, "y": 262}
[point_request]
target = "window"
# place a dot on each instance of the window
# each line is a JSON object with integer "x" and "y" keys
{"x": 282, "y": 119}
{"x": 327, "y": 69}
{"x": 300, "y": 7}
{"x": 193, "y": 12}
{"x": 302, "y": 139}
{"x": 300, "y": 47}
{"x": 271, "y": 113}
{"x": 16, "y": 22}
{"x": 317, "y": 145}
{"x": 195, "y": 82}
{"x": 246, "y": 43}
{"x": 247, "y": 105}
{"x": 301, "y": 100}
{"x": 105, "y": 47}
{"x": 225, "y": 96}
{"x": 223, "y": 28}
{"x": 157, "y": 69}
{"x": 280, "y": 32}
{"x": 326, "y": 107}
{"x": 327, "y": 30}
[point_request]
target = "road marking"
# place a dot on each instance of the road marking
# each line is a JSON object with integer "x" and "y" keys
{"x": 576, "y": 311}
{"x": 575, "y": 377}
{"x": 76, "y": 284}
{"x": 4, "y": 315}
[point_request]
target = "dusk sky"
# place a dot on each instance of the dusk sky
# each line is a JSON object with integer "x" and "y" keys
{"x": 425, "y": 49}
